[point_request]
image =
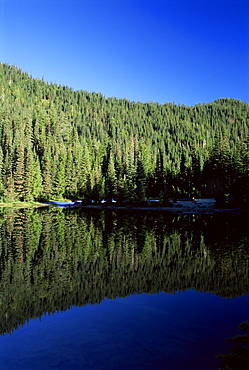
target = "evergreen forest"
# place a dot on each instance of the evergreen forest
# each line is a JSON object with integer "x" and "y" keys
{"x": 57, "y": 143}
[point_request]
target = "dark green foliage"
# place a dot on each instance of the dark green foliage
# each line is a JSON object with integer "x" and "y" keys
{"x": 79, "y": 144}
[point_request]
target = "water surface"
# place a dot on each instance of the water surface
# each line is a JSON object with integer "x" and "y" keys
{"x": 107, "y": 290}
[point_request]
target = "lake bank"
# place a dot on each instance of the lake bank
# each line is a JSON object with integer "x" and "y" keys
{"x": 23, "y": 204}
{"x": 194, "y": 208}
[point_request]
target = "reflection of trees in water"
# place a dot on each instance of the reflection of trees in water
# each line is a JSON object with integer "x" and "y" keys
{"x": 52, "y": 258}
{"x": 238, "y": 356}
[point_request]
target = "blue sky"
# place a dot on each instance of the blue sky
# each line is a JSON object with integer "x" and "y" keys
{"x": 182, "y": 51}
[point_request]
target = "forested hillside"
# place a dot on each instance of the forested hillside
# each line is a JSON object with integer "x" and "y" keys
{"x": 59, "y": 143}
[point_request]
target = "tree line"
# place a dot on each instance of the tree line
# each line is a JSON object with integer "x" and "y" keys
{"x": 59, "y": 143}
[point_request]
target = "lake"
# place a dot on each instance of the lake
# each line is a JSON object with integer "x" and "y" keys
{"x": 105, "y": 289}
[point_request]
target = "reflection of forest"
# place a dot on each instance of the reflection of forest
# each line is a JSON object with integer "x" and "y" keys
{"x": 51, "y": 259}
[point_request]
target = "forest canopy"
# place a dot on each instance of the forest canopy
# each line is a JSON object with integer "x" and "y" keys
{"x": 59, "y": 143}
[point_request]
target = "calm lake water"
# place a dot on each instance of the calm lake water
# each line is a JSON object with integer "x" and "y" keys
{"x": 91, "y": 289}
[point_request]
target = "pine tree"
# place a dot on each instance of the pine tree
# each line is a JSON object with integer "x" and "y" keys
{"x": 59, "y": 181}
{"x": 19, "y": 172}
{"x": 141, "y": 182}
{"x": 46, "y": 175}
{"x": 111, "y": 179}
{"x": 1, "y": 175}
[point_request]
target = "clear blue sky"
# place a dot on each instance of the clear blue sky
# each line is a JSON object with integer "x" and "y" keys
{"x": 182, "y": 51}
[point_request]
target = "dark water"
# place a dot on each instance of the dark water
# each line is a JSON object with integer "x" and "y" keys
{"x": 120, "y": 290}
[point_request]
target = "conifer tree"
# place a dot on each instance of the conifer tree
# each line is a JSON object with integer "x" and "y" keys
{"x": 19, "y": 172}
{"x": 141, "y": 182}
{"x": 57, "y": 125}
{"x": 46, "y": 175}
{"x": 111, "y": 179}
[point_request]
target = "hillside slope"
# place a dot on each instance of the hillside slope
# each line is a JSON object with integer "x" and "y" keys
{"x": 56, "y": 142}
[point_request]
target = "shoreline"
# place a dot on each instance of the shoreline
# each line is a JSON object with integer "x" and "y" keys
{"x": 175, "y": 209}
{"x": 180, "y": 210}
{"x": 23, "y": 205}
